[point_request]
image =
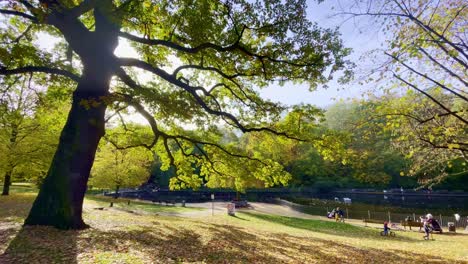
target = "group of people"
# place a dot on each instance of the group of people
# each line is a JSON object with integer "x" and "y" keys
{"x": 429, "y": 224}
{"x": 337, "y": 214}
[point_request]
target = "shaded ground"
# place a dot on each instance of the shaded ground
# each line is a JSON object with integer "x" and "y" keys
{"x": 119, "y": 236}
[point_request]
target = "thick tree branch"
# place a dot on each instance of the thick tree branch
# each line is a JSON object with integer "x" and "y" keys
{"x": 233, "y": 47}
{"x": 178, "y": 47}
{"x": 212, "y": 69}
{"x": 82, "y": 8}
{"x": 192, "y": 90}
{"x": 158, "y": 133}
{"x": 43, "y": 69}
{"x": 20, "y": 14}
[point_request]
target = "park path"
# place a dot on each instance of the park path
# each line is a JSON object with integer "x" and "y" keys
{"x": 219, "y": 208}
{"x": 264, "y": 208}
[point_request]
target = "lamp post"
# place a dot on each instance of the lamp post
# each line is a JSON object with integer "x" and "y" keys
{"x": 212, "y": 204}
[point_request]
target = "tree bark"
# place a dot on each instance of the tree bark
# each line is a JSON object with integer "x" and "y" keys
{"x": 116, "y": 194}
{"x": 7, "y": 183}
{"x": 60, "y": 199}
{"x": 9, "y": 172}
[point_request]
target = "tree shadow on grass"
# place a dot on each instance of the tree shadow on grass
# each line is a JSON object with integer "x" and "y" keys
{"x": 327, "y": 227}
{"x": 38, "y": 244}
{"x": 7, "y": 232}
{"x": 232, "y": 244}
{"x": 240, "y": 218}
{"x": 15, "y": 207}
{"x": 167, "y": 241}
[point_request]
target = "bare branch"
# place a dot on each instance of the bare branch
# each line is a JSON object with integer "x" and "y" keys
{"x": 442, "y": 66}
{"x": 427, "y": 77}
{"x": 430, "y": 97}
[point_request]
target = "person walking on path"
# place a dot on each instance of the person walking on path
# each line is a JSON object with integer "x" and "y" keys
{"x": 339, "y": 215}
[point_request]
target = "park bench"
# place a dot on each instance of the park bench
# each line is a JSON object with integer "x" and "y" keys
{"x": 411, "y": 224}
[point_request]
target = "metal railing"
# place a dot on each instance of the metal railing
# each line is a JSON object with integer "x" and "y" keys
{"x": 374, "y": 215}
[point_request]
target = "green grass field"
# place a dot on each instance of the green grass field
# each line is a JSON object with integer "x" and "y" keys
{"x": 149, "y": 236}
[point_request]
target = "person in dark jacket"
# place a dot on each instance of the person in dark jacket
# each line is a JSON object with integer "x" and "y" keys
{"x": 339, "y": 215}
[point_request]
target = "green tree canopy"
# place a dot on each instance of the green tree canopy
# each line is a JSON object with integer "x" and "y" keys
{"x": 206, "y": 61}
{"x": 120, "y": 168}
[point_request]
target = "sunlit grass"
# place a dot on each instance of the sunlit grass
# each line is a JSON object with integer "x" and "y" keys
{"x": 118, "y": 236}
{"x": 21, "y": 188}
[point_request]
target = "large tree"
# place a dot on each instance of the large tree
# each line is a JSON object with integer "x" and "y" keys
{"x": 206, "y": 60}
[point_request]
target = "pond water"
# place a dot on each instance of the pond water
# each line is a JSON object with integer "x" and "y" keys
{"x": 429, "y": 201}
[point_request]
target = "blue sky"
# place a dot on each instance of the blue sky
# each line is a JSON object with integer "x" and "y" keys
{"x": 352, "y": 38}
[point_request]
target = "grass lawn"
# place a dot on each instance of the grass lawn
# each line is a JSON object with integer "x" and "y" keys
{"x": 138, "y": 206}
{"x": 118, "y": 236}
{"x": 21, "y": 187}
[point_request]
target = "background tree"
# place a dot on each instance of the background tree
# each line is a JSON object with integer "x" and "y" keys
{"x": 427, "y": 51}
{"x": 27, "y": 139}
{"x": 120, "y": 168}
{"x": 430, "y": 143}
{"x": 205, "y": 57}
{"x": 371, "y": 156}
{"x": 17, "y": 105}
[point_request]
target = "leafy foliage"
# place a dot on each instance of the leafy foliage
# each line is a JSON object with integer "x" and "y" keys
{"x": 203, "y": 62}
{"x": 28, "y": 138}
{"x": 120, "y": 236}
{"x": 427, "y": 104}
{"x": 120, "y": 168}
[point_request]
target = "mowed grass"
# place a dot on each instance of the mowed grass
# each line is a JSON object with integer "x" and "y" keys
{"x": 118, "y": 236}
{"x": 21, "y": 187}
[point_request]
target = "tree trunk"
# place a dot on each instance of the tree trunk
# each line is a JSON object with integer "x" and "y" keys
{"x": 60, "y": 199}
{"x": 9, "y": 172}
{"x": 116, "y": 194}
{"x": 7, "y": 183}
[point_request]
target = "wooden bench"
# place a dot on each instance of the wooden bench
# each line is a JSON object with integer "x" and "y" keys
{"x": 411, "y": 224}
